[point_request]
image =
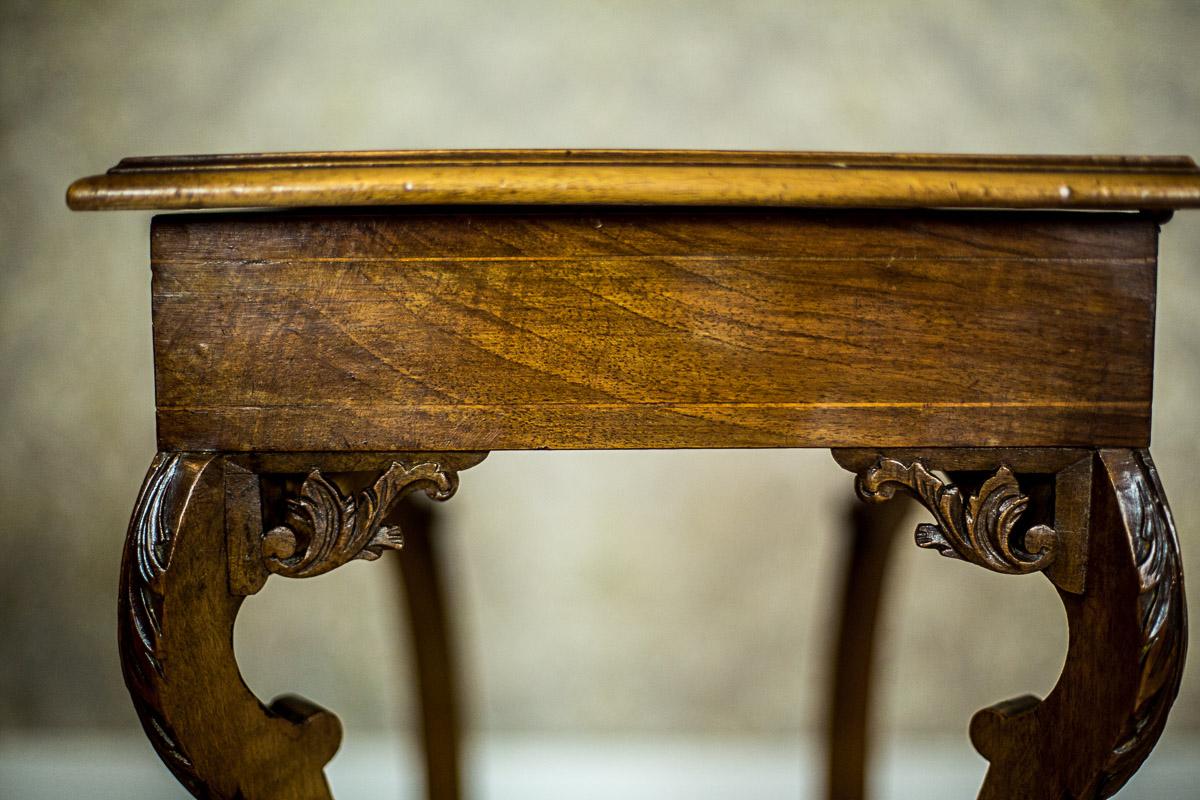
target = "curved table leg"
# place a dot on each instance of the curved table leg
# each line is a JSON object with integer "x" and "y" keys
{"x": 1122, "y": 585}
{"x": 420, "y": 575}
{"x": 196, "y": 547}
{"x": 872, "y": 530}
{"x": 1124, "y": 662}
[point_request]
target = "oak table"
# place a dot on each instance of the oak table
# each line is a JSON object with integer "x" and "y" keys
{"x": 974, "y": 331}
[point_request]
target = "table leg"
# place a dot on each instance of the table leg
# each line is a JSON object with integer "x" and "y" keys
{"x": 872, "y": 530}
{"x": 196, "y": 547}
{"x": 1123, "y": 593}
{"x": 420, "y": 576}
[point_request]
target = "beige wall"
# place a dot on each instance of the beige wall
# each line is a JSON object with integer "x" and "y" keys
{"x": 594, "y": 591}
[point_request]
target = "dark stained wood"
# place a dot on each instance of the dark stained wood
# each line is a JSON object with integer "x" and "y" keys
{"x": 303, "y": 462}
{"x": 983, "y": 528}
{"x": 668, "y": 328}
{"x": 420, "y": 572}
{"x": 642, "y": 177}
{"x": 1046, "y": 460}
{"x": 872, "y": 530}
{"x": 1068, "y": 468}
{"x": 1128, "y": 627}
{"x": 1072, "y": 524}
{"x": 1125, "y": 660}
{"x": 182, "y": 585}
{"x": 176, "y": 621}
{"x": 974, "y": 358}
{"x": 323, "y": 526}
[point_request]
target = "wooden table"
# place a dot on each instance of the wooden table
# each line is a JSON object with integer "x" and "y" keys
{"x": 956, "y": 328}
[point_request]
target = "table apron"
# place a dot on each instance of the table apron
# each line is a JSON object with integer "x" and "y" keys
{"x": 516, "y": 328}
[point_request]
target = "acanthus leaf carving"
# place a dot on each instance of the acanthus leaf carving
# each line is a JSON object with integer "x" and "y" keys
{"x": 326, "y": 528}
{"x": 983, "y": 530}
{"x": 149, "y": 550}
{"x": 1162, "y": 616}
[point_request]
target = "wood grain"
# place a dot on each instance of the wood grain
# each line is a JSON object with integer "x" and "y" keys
{"x": 592, "y": 328}
{"x": 1062, "y": 471}
{"x": 189, "y": 562}
{"x": 296, "y": 352}
{"x": 860, "y": 180}
{"x": 176, "y": 619}
{"x": 1128, "y": 626}
{"x": 1042, "y": 460}
{"x": 1125, "y": 658}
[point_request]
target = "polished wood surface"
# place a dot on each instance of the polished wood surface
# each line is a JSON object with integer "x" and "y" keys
{"x": 176, "y": 618}
{"x": 1128, "y": 619}
{"x": 598, "y": 328}
{"x": 205, "y": 533}
{"x": 994, "y": 363}
{"x": 859, "y": 180}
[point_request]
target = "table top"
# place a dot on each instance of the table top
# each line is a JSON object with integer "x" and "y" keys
{"x": 646, "y": 177}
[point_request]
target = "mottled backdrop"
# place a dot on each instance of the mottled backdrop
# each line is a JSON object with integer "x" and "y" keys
{"x": 593, "y": 592}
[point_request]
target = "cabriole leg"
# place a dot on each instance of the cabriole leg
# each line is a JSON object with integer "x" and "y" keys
{"x": 420, "y": 573}
{"x": 872, "y": 531}
{"x": 202, "y": 537}
{"x": 1113, "y": 555}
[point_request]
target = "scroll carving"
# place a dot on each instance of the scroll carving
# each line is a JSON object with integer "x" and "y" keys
{"x": 326, "y": 528}
{"x": 152, "y": 537}
{"x": 178, "y": 606}
{"x": 1127, "y": 616}
{"x": 1162, "y": 616}
{"x": 983, "y": 530}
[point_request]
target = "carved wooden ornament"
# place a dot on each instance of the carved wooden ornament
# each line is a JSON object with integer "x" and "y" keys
{"x": 1161, "y": 610}
{"x": 982, "y": 531}
{"x": 152, "y": 537}
{"x": 326, "y": 528}
{"x": 177, "y": 612}
{"x": 1128, "y": 622}
{"x": 1124, "y": 661}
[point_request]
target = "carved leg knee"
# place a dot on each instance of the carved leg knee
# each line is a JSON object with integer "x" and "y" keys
{"x": 1114, "y": 556}
{"x": 195, "y": 548}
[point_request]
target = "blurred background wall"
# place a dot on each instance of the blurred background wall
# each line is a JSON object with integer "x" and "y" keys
{"x": 595, "y": 593}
